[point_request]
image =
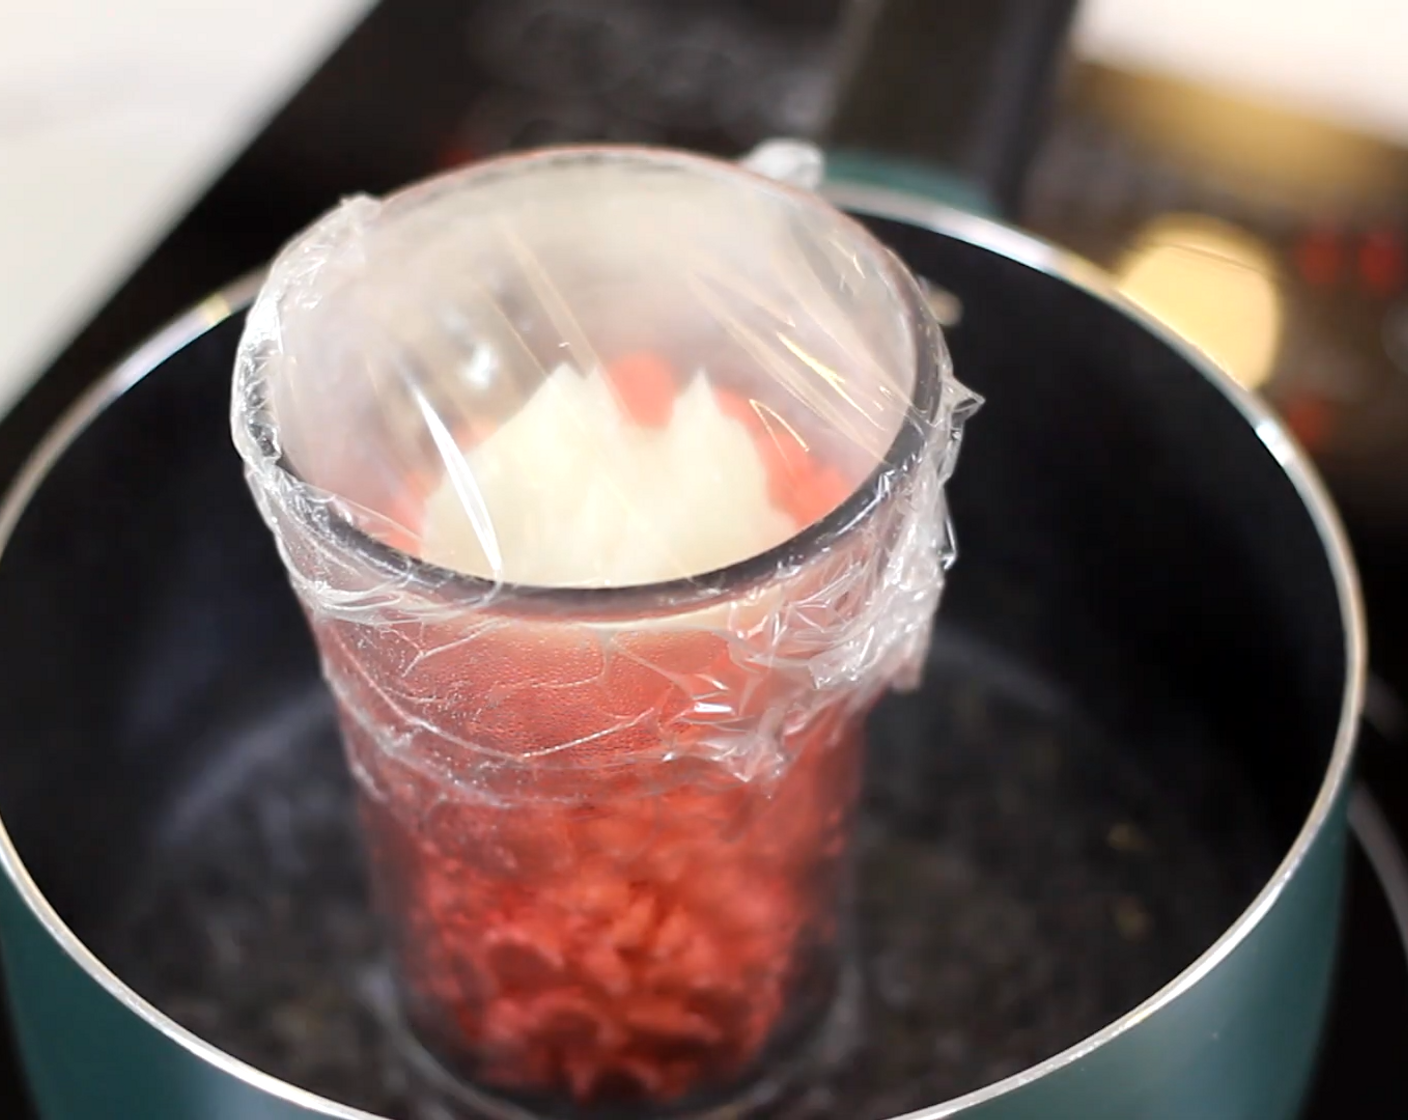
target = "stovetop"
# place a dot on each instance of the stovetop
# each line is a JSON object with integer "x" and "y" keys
{"x": 424, "y": 84}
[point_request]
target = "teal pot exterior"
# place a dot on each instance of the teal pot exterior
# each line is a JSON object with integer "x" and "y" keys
{"x": 1233, "y": 1037}
{"x": 89, "y": 1054}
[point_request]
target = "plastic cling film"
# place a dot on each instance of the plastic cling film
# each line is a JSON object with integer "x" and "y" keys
{"x": 612, "y": 483}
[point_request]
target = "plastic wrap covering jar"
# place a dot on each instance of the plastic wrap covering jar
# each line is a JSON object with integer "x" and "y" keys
{"x": 611, "y": 481}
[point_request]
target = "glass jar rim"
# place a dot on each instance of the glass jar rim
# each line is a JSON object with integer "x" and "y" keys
{"x": 448, "y": 586}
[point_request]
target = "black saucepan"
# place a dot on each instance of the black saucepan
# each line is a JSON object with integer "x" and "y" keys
{"x": 1102, "y": 847}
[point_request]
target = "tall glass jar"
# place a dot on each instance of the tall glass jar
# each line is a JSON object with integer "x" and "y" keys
{"x": 608, "y": 818}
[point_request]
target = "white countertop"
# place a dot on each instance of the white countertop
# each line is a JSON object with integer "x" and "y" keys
{"x": 115, "y": 114}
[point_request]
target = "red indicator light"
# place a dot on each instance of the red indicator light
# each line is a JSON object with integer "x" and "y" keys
{"x": 455, "y": 154}
{"x": 1381, "y": 262}
{"x": 1310, "y": 418}
{"x": 1319, "y": 257}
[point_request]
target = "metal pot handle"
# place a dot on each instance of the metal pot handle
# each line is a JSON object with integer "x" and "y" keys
{"x": 946, "y": 100}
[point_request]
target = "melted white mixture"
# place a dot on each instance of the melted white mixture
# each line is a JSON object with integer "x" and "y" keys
{"x": 572, "y": 493}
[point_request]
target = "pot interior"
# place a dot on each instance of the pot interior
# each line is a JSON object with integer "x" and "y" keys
{"x": 1130, "y": 706}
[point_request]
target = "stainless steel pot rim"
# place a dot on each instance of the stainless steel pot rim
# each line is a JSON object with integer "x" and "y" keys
{"x": 871, "y": 201}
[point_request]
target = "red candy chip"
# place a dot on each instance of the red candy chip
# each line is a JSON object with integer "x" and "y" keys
{"x": 823, "y": 492}
{"x": 645, "y": 385}
{"x": 738, "y": 407}
{"x": 799, "y": 484}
